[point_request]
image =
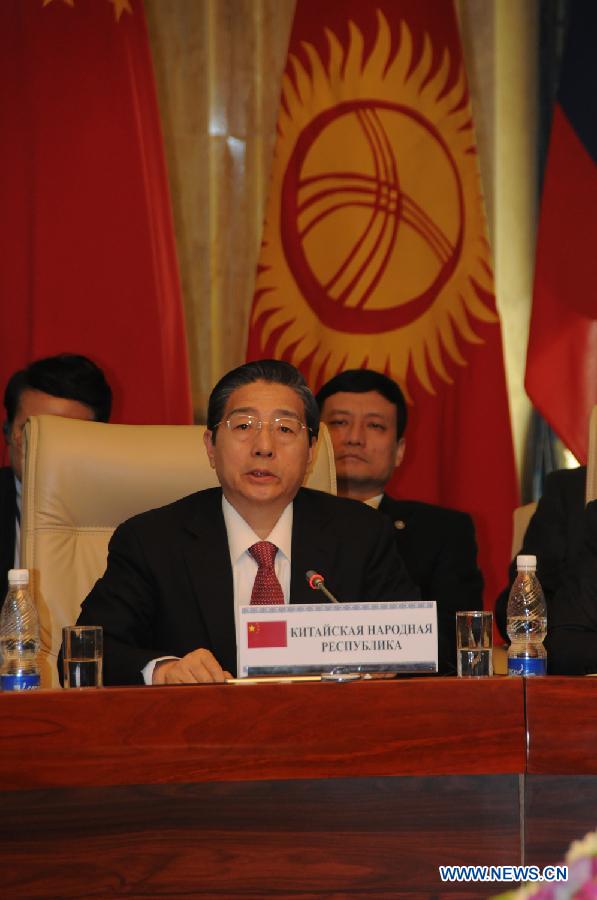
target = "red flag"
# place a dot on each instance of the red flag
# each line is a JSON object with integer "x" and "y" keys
{"x": 561, "y": 375}
{"x": 266, "y": 634}
{"x": 375, "y": 250}
{"x": 87, "y": 256}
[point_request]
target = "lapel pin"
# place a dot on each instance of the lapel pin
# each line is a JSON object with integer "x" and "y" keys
{"x": 399, "y": 524}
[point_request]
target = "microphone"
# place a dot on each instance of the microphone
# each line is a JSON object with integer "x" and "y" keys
{"x": 315, "y": 581}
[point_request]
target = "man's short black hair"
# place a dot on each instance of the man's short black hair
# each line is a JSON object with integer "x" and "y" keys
{"x": 360, "y": 381}
{"x": 271, "y": 370}
{"x": 69, "y": 376}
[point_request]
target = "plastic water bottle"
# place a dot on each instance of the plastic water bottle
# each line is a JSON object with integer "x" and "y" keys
{"x": 527, "y": 621}
{"x": 19, "y": 636}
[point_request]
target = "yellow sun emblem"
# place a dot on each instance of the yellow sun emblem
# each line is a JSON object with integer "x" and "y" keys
{"x": 374, "y": 250}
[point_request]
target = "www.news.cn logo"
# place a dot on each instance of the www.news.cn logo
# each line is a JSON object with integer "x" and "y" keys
{"x": 503, "y": 873}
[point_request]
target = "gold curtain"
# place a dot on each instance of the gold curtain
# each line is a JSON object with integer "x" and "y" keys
{"x": 218, "y": 66}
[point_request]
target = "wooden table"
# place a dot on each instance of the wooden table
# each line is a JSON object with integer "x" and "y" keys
{"x": 561, "y": 779}
{"x": 303, "y": 790}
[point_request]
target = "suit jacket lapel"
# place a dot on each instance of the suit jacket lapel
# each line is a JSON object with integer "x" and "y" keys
{"x": 395, "y": 510}
{"x": 309, "y": 549}
{"x": 208, "y": 561}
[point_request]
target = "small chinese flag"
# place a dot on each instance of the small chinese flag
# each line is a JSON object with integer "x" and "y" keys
{"x": 266, "y": 634}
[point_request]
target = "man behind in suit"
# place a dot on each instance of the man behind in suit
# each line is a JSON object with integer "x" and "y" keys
{"x": 66, "y": 385}
{"x": 176, "y": 576}
{"x": 555, "y": 535}
{"x": 562, "y": 534}
{"x": 366, "y": 415}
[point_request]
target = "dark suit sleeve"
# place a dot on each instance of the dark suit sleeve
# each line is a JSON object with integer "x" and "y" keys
{"x": 440, "y": 551}
{"x": 456, "y": 583}
{"x": 351, "y": 545}
{"x": 572, "y": 614}
{"x": 123, "y": 602}
{"x": 386, "y": 575}
{"x": 547, "y": 538}
{"x": 456, "y": 577}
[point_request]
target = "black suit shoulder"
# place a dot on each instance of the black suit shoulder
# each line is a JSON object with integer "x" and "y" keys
{"x": 554, "y": 535}
{"x": 201, "y": 503}
{"x": 335, "y": 507}
{"x": 553, "y": 528}
{"x": 439, "y": 548}
{"x": 352, "y": 544}
{"x": 206, "y": 501}
{"x": 442, "y": 516}
{"x": 572, "y": 613}
{"x": 571, "y": 482}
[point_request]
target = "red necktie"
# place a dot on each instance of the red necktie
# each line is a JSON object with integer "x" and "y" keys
{"x": 266, "y": 587}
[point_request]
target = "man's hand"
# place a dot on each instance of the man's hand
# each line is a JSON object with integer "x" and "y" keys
{"x": 200, "y": 666}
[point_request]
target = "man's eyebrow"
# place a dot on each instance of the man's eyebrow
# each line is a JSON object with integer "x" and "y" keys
{"x": 252, "y": 411}
{"x": 336, "y": 411}
{"x": 286, "y": 412}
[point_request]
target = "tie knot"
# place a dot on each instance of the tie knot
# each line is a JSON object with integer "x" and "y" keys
{"x": 264, "y": 553}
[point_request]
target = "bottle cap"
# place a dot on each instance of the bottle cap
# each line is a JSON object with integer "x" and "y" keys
{"x": 18, "y": 576}
{"x": 526, "y": 562}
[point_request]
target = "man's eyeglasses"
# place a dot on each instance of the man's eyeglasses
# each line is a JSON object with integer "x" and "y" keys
{"x": 243, "y": 427}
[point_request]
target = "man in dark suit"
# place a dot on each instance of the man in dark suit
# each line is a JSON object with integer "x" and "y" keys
{"x": 176, "y": 576}
{"x": 555, "y": 535}
{"x": 563, "y": 536}
{"x": 366, "y": 415}
{"x": 572, "y": 611}
{"x": 66, "y": 385}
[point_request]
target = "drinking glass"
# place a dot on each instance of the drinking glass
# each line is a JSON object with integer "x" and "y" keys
{"x": 474, "y": 630}
{"x": 82, "y": 647}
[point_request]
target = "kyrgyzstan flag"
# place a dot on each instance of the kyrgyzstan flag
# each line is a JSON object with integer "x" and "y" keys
{"x": 375, "y": 248}
{"x": 561, "y": 374}
{"x": 266, "y": 634}
{"x": 87, "y": 255}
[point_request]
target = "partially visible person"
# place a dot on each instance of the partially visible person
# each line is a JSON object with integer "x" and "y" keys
{"x": 366, "y": 414}
{"x": 572, "y": 613}
{"x": 66, "y": 385}
{"x": 555, "y": 535}
{"x": 176, "y": 576}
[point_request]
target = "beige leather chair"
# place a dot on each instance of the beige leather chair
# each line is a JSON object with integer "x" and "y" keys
{"x": 81, "y": 479}
{"x": 591, "y": 492}
{"x": 521, "y": 518}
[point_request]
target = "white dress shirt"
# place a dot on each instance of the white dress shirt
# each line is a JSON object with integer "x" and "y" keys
{"x": 244, "y": 568}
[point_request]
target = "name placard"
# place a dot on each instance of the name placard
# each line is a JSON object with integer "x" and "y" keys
{"x": 319, "y": 638}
